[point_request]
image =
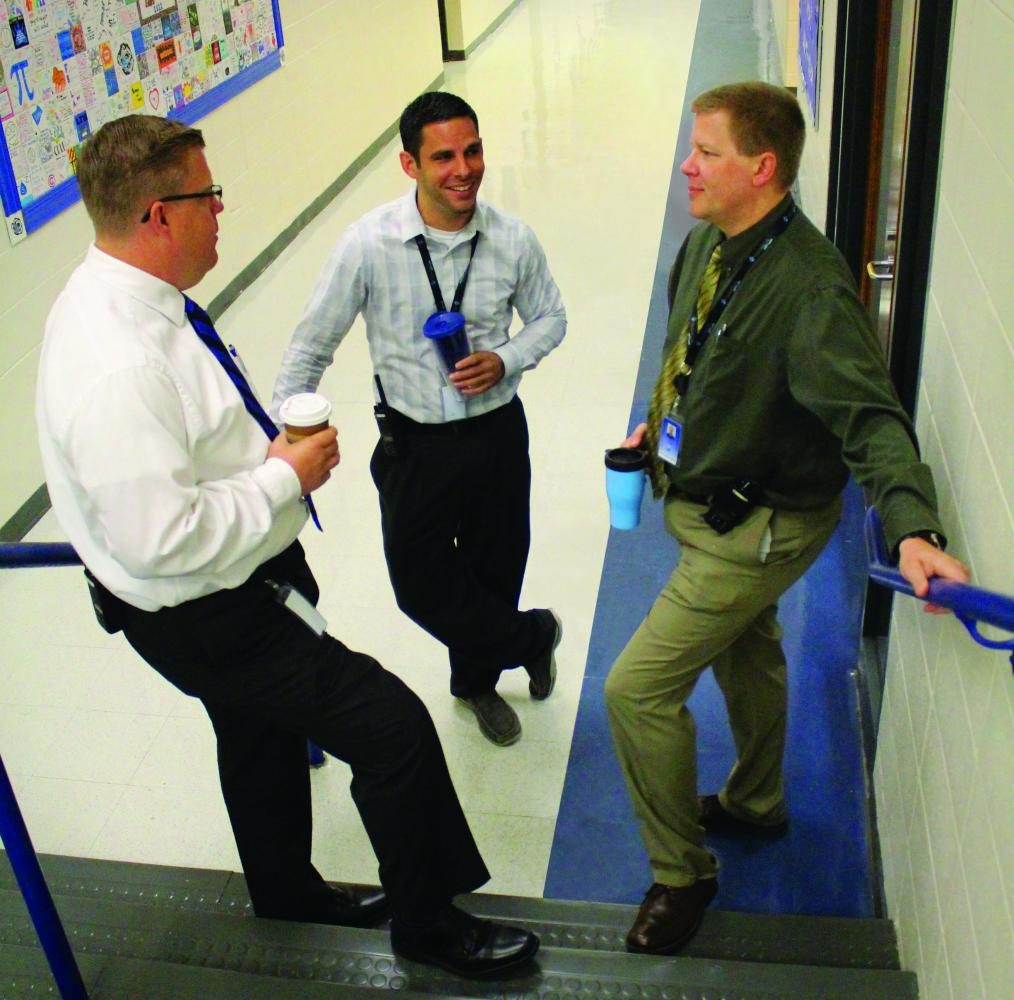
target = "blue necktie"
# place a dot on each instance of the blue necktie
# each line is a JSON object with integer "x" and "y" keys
{"x": 203, "y": 327}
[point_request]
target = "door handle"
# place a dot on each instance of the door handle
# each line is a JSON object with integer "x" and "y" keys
{"x": 881, "y": 270}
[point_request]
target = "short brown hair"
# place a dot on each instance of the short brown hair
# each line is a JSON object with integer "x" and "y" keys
{"x": 762, "y": 118}
{"x": 129, "y": 163}
{"x": 434, "y": 106}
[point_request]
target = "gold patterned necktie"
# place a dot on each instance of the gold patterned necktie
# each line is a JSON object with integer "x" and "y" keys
{"x": 665, "y": 388}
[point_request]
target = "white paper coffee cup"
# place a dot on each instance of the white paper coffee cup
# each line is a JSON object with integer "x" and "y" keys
{"x": 304, "y": 414}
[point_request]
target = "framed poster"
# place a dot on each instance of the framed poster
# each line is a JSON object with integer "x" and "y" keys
{"x": 809, "y": 51}
{"x": 69, "y": 66}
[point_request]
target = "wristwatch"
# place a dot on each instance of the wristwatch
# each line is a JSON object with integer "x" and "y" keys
{"x": 936, "y": 540}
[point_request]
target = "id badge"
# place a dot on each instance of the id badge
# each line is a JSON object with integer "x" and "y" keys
{"x": 290, "y": 598}
{"x": 454, "y": 405}
{"x": 670, "y": 439}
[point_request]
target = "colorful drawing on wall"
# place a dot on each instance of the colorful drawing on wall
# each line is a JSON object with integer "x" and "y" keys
{"x": 69, "y": 66}
{"x": 809, "y": 51}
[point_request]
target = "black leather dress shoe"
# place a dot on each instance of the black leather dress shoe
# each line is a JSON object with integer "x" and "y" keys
{"x": 669, "y": 916}
{"x": 715, "y": 818}
{"x": 340, "y": 905}
{"x": 498, "y": 722}
{"x": 542, "y": 670}
{"x": 465, "y": 945}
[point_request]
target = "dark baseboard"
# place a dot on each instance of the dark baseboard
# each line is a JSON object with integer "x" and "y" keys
{"x": 26, "y": 517}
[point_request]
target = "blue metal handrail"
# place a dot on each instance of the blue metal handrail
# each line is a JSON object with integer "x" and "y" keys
{"x": 23, "y": 555}
{"x": 16, "y": 839}
{"x": 31, "y": 881}
{"x": 971, "y": 605}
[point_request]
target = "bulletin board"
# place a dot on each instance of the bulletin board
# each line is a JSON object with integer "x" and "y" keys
{"x": 69, "y": 66}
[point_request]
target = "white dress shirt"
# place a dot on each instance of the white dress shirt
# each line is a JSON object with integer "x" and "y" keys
{"x": 155, "y": 469}
{"x": 375, "y": 269}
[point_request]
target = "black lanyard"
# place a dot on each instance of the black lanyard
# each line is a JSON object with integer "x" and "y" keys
{"x": 696, "y": 338}
{"x": 459, "y": 292}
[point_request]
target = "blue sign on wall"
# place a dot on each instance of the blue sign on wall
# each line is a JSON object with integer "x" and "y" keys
{"x": 809, "y": 51}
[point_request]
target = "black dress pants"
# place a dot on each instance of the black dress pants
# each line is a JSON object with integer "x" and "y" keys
{"x": 269, "y": 683}
{"x": 454, "y": 508}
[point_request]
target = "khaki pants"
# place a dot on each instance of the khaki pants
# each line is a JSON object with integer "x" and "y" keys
{"x": 719, "y": 607}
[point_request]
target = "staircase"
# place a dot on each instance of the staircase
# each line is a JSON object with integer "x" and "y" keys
{"x": 145, "y": 931}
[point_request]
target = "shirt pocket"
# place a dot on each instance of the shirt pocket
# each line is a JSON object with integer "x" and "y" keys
{"x": 723, "y": 371}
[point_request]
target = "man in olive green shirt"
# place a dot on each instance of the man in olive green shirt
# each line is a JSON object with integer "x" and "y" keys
{"x": 773, "y": 389}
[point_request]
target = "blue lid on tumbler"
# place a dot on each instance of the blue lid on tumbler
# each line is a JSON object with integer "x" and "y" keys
{"x": 443, "y": 324}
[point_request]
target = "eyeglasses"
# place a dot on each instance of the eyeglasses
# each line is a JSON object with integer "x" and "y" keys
{"x": 215, "y": 191}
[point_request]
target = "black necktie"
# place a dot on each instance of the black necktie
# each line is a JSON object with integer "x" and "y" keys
{"x": 203, "y": 327}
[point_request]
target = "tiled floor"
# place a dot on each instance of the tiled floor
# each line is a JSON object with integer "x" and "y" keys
{"x": 579, "y": 106}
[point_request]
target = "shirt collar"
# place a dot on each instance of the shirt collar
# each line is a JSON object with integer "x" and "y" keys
{"x": 155, "y": 293}
{"x": 412, "y": 225}
{"x": 735, "y": 248}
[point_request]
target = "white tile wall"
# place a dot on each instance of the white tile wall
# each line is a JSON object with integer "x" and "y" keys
{"x": 945, "y": 795}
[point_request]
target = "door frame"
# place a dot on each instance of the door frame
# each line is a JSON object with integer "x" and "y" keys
{"x": 860, "y": 69}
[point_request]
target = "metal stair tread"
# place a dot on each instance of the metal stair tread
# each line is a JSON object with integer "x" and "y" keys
{"x": 802, "y": 940}
{"x": 112, "y": 931}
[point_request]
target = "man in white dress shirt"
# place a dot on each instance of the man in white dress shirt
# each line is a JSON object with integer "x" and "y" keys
{"x": 184, "y": 503}
{"x": 452, "y": 467}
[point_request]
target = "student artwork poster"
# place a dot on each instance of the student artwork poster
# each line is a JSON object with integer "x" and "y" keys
{"x": 69, "y": 66}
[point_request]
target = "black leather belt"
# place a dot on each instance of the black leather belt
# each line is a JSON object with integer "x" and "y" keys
{"x": 451, "y": 428}
{"x": 678, "y": 494}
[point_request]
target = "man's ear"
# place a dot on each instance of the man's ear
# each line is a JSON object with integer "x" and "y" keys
{"x": 765, "y": 170}
{"x": 408, "y": 164}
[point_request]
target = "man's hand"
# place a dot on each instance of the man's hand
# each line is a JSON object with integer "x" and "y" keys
{"x": 312, "y": 458}
{"x": 636, "y": 438}
{"x": 918, "y": 561}
{"x": 473, "y": 375}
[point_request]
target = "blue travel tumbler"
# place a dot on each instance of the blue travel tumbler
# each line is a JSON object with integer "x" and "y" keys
{"x": 625, "y": 485}
{"x": 447, "y": 332}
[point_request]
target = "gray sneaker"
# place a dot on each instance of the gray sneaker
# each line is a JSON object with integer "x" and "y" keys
{"x": 498, "y": 722}
{"x": 542, "y": 670}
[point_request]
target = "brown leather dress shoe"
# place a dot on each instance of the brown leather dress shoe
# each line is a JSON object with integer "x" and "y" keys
{"x": 669, "y": 916}
{"x": 715, "y": 818}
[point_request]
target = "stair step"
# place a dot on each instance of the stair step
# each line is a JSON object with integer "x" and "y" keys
{"x": 113, "y": 978}
{"x": 153, "y": 930}
{"x": 173, "y": 947}
{"x": 839, "y": 942}
{"x": 192, "y": 953}
{"x": 826, "y": 941}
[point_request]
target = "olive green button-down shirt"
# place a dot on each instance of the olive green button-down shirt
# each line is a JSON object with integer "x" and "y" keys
{"x": 791, "y": 390}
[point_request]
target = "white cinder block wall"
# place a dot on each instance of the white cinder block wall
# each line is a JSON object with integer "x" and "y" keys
{"x": 349, "y": 69}
{"x": 944, "y": 778}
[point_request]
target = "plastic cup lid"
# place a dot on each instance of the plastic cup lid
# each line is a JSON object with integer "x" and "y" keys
{"x": 443, "y": 325}
{"x": 626, "y": 459}
{"x": 305, "y": 409}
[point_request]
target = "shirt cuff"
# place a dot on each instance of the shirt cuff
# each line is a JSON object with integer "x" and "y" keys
{"x": 511, "y": 358}
{"x": 279, "y": 481}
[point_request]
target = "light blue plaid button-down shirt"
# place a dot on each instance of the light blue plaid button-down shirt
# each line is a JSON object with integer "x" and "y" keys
{"x": 375, "y": 269}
